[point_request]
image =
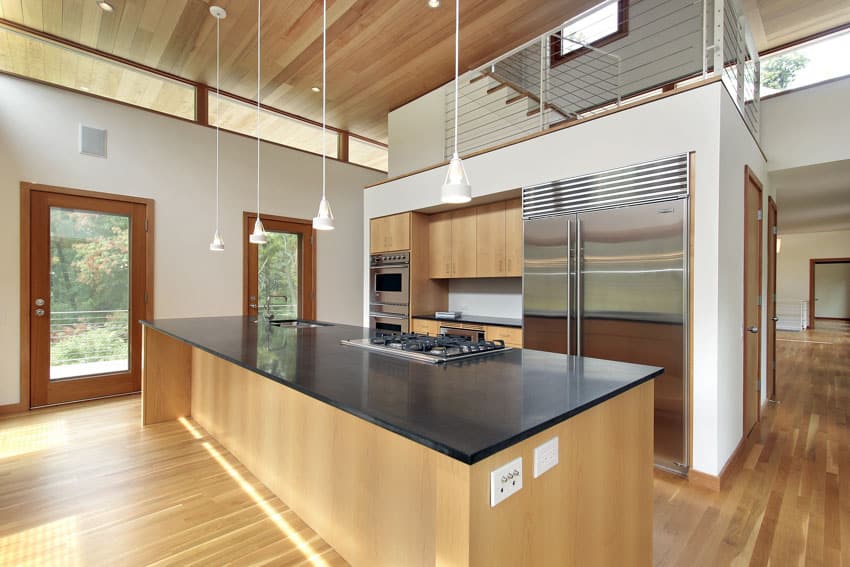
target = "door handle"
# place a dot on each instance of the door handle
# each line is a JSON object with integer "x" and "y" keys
{"x": 39, "y": 302}
{"x": 775, "y": 318}
{"x": 753, "y": 329}
{"x": 252, "y": 305}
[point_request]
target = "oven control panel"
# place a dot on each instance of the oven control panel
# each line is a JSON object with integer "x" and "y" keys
{"x": 392, "y": 259}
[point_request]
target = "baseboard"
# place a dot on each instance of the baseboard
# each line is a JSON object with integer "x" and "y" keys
{"x": 10, "y": 409}
{"x": 721, "y": 481}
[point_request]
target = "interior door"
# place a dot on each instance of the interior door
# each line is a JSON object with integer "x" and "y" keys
{"x": 88, "y": 260}
{"x": 280, "y": 276}
{"x": 771, "y": 298}
{"x": 632, "y": 306}
{"x": 752, "y": 301}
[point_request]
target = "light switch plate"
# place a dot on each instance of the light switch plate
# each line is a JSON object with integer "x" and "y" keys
{"x": 545, "y": 456}
{"x": 505, "y": 480}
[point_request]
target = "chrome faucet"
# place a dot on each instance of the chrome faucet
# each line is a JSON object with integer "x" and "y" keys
{"x": 267, "y": 308}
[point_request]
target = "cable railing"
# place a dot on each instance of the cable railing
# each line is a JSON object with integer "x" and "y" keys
{"x": 792, "y": 315}
{"x": 88, "y": 342}
{"x": 617, "y": 53}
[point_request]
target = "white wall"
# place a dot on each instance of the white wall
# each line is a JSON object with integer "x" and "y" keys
{"x": 808, "y": 126}
{"x": 493, "y": 297}
{"x": 689, "y": 121}
{"x": 172, "y": 162}
{"x": 792, "y": 272}
{"x": 832, "y": 290}
{"x": 737, "y": 150}
{"x": 416, "y": 133}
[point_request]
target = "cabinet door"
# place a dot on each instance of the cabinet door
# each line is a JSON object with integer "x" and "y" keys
{"x": 378, "y": 235}
{"x": 511, "y": 335}
{"x": 398, "y": 232}
{"x": 440, "y": 245}
{"x": 426, "y": 326}
{"x": 513, "y": 238}
{"x": 490, "y": 236}
{"x": 464, "y": 244}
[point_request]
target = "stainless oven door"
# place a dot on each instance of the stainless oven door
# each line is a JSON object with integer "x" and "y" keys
{"x": 388, "y": 322}
{"x": 390, "y": 284}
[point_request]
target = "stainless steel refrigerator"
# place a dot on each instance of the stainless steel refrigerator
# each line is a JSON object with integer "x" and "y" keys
{"x": 606, "y": 276}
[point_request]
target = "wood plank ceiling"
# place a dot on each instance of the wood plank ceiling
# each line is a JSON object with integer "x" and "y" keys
{"x": 381, "y": 53}
{"x": 777, "y": 22}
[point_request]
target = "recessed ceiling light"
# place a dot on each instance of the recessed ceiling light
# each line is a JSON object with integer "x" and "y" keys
{"x": 105, "y": 6}
{"x": 433, "y": 3}
{"x": 316, "y": 89}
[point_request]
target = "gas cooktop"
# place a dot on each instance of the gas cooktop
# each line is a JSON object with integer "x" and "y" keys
{"x": 428, "y": 348}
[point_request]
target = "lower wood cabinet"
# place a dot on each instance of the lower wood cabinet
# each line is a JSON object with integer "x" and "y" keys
{"x": 511, "y": 335}
{"x": 426, "y": 326}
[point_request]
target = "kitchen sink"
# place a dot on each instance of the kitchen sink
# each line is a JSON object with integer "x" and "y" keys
{"x": 297, "y": 323}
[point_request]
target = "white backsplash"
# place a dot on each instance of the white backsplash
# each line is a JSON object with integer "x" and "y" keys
{"x": 493, "y": 297}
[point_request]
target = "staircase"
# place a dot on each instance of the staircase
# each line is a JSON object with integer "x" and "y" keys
{"x": 493, "y": 110}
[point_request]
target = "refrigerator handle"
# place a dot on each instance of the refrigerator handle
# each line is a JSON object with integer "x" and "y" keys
{"x": 578, "y": 285}
{"x": 569, "y": 285}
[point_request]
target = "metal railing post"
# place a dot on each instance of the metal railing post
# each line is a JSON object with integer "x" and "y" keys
{"x": 544, "y": 65}
{"x": 719, "y": 19}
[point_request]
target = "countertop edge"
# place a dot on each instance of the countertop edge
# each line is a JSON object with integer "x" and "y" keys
{"x": 466, "y": 458}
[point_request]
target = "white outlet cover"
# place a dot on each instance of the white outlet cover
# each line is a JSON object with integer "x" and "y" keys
{"x": 545, "y": 456}
{"x": 505, "y": 481}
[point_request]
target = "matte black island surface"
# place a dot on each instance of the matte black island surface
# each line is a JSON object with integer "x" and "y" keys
{"x": 466, "y": 409}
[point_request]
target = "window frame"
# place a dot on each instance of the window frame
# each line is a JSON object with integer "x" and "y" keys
{"x": 555, "y": 40}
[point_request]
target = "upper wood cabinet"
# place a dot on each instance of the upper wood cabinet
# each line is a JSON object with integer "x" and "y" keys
{"x": 389, "y": 234}
{"x": 513, "y": 237}
{"x": 490, "y": 232}
{"x": 477, "y": 242}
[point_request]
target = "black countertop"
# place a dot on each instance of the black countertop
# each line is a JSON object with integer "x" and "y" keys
{"x": 479, "y": 319}
{"x": 467, "y": 409}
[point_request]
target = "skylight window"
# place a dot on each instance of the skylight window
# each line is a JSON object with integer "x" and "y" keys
{"x": 601, "y": 24}
{"x": 806, "y": 64}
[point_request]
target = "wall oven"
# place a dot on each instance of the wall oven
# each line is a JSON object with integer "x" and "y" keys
{"x": 389, "y": 292}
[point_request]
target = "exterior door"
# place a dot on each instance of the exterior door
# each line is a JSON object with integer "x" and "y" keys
{"x": 752, "y": 301}
{"x": 771, "y": 298}
{"x": 87, "y": 269}
{"x": 280, "y": 276}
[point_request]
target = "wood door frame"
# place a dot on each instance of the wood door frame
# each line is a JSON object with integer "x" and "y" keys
{"x": 750, "y": 176}
{"x": 812, "y": 263}
{"x": 27, "y": 189}
{"x": 772, "y": 213}
{"x": 308, "y": 272}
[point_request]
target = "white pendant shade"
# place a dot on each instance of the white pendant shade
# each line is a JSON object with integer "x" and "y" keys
{"x": 217, "y": 244}
{"x": 259, "y": 234}
{"x": 325, "y": 219}
{"x": 456, "y": 188}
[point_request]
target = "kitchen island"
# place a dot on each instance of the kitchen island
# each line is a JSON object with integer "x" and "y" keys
{"x": 389, "y": 460}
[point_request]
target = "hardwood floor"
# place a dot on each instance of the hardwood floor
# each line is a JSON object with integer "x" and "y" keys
{"x": 86, "y": 485}
{"x": 788, "y": 501}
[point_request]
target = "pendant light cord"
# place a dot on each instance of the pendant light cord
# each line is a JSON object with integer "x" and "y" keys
{"x": 259, "y": 5}
{"x": 324, "y": 90}
{"x": 457, "y": 44}
{"x": 217, "y": 114}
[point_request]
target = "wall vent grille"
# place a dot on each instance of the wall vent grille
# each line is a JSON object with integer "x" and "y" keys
{"x": 92, "y": 141}
{"x": 659, "y": 180}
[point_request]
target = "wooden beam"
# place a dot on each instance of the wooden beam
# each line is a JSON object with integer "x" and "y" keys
{"x": 202, "y": 110}
{"x": 342, "y": 146}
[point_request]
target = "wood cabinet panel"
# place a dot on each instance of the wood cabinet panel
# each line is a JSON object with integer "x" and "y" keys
{"x": 427, "y": 326}
{"x": 513, "y": 238}
{"x": 440, "y": 241}
{"x": 511, "y": 335}
{"x": 490, "y": 236}
{"x": 464, "y": 244}
{"x": 389, "y": 234}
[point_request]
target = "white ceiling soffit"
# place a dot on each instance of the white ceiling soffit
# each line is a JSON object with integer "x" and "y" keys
{"x": 814, "y": 198}
{"x": 777, "y": 22}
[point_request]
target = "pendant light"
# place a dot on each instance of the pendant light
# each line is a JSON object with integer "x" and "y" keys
{"x": 259, "y": 234}
{"x": 456, "y": 188}
{"x": 219, "y": 13}
{"x": 324, "y": 220}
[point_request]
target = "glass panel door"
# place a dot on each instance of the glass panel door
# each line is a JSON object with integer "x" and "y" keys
{"x": 88, "y": 278}
{"x": 278, "y": 274}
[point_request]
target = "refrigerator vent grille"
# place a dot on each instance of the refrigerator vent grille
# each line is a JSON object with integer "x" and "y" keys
{"x": 659, "y": 180}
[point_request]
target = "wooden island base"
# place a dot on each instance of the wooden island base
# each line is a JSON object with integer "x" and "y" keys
{"x": 381, "y": 499}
